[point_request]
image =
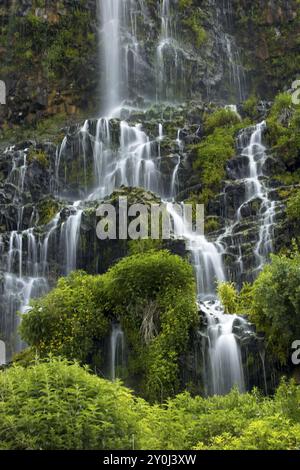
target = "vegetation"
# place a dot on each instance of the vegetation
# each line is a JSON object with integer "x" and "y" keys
{"x": 56, "y": 405}
{"x": 272, "y": 303}
{"x": 59, "y": 405}
{"x": 284, "y": 131}
{"x": 151, "y": 294}
{"x": 217, "y": 147}
{"x": 275, "y": 306}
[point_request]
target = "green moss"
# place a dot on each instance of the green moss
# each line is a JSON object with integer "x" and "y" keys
{"x": 221, "y": 118}
{"x": 250, "y": 107}
{"x": 284, "y": 130}
{"x": 40, "y": 156}
{"x": 47, "y": 209}
{"x": 211, "y": 156}
{"x": 293, "y": 206}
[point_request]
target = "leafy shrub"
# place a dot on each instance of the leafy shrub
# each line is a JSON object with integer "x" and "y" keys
{"x": 276, "y": 304}
{"x": 293, "y": 207}
{"x": 152, "y": 294}
{"x": 159, "y": 289}
{"x": 284, "y": 130}
{"x": 57, "y": 405}
{"x": 70, "y": 320}
{"x": 220, "y": 118}
{"x": 229, "y": 296}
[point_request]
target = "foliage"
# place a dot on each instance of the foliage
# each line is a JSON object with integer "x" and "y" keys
{"x": 229, "y": 296}
{"x": 47, "y": 208}
{"x": 293, "y": 207}
{"x": 250, "y": 107}
{"x": 70, "y": 320}
{"x": 217, "y": 147}
{"x": 212, "y": 155}
{"x": 155, "y": 285}
{"x": 220, "y": 118}
{"x": 284, "y": 130}
{"x": 143, "y": 245}
{"x": 234, "y": 301}
{"x": 275, "y": 305}
{"x": 57, "y": 405}
{"x": 168, "y": 281}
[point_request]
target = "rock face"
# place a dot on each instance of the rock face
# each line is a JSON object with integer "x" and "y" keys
{"x": 273, "y": 27}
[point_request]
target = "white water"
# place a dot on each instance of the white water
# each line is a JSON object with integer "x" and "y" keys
{"x": 170, "y": 58}
{"x": 134, "y": 164}
{"x": 236, "y": 71}
{"x": 255, "y": 191}
{"x": 224, "y": 361}
{"x": 70, "y": 231}
{"x": 221, "y": 352}
{"x": 111, "y": 12}
{"x": 117, "y": 352}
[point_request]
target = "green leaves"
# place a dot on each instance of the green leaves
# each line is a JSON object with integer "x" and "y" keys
{"x": 276, "y": 304}
{"x": 58, "y": 405}
{"x": 153, "y": 296}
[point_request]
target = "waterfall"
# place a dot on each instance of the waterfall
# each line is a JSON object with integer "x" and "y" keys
{"x": 117, "y": 352}
{"x": 111, "y": 19}
{"x": 23, "y": 280}
{"x": 224, "y": 361}
{"x": 229, "y": 50}
{"x": 121, "y": 50}
{"x": 236, "y": 70}
{"x": 170, "y": 58}
{"x": 255, "y": 190}
{"x": 70, "y": 231}
{"x": 221, "y": 350}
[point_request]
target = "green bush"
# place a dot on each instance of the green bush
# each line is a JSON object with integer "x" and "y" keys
{"x": 229, "y": 296}
{"x": 152, "y": 294}
{"x": 56, "y": 405}
{"x": 293, "y": 207}
{"x": 70, "y": 320}
{"x": 275, "y": 308}
{"x": 284, "y": 130}
{"x": 220, "y": 118}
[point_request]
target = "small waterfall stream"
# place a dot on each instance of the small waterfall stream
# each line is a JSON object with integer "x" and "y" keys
{"x": 117, "y": 352}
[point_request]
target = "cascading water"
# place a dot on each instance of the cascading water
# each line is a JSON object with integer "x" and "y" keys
{"x": 255, "y": 193}
{"x": 117, "y": 352}
{"x": 70, "y": 236}
{"x": 121, "y": 49}
{"x": 111, "y": 13}
{"x": 221, "y": 351}
{"x": 170, "y": 58}
{"x": 229, "y": 49}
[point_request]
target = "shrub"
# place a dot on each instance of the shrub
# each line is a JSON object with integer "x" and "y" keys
{"x": 70, "y": 320}
{"x": 152, "y": 294}
{"x": 229, "y": 296}
{"x": 276, "y": 304}
{"x": 57, "y": 405}
{"x": 220, "y": 118}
